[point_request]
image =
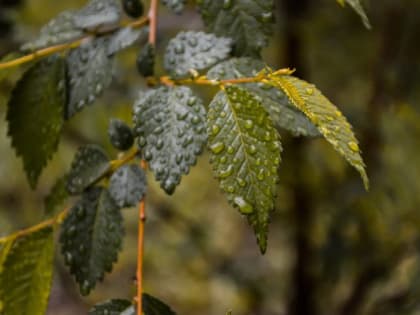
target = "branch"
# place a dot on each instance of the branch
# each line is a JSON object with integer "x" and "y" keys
{"x": 203, "y": 80}
{"x": 140, "y": 251}
{"x": 153, "y": 12}
{"x": 115, "y": 164}
{"x": 56, "y": 220}
{"x": 62, "y": 47}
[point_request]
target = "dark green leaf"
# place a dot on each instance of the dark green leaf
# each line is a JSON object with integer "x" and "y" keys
{"x": 89, "y": 73}
{"x": 282, "y": 112}
{"x": 247, "y": 22}
{"x": 60, "y": 30}
{"x": 133, "y": 8}
{"x": 171, "y": 126}
{"x": 91, "y": 237}
{"x": 98, "y": 15}
{"x": 151, "y": 306}
{"x": 56, "y": 197}
{"x": 175, "y": 5}
{"x": 195, "y": 51}
{"x": 89, "y": 164}
{"x": 120, "y": 134}
{"x": 154, "y": 306}
{"x": 111, "y": 307}
{"x": 128, "y": 186}
{"x": 245, "y": 155}
{"x": 35, "y": 114}
{"x": 27, "y": 273}
{"x": 325, "y": 116}
{"x": 125, "y": 37}
{"x": 146, "y": 61}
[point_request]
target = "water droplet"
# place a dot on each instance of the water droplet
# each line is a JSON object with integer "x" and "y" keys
{"x": 215, "y": 129}
{"x": 244, "y": 207}
{"x": 241, "y": 182}
{"x": 261, "y": 175}
{"x": 226, "y": 172}
{"x": 353, "y": 146}
{"x": 252, "y": 149}
{"x": 217, "y": 147}
{"x": 249, "y": 124}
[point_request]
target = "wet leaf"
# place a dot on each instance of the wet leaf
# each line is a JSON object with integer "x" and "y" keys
{"x": 247, "y": 22}
{"x": 245, "y": 154}
{"x": 282, "y": 112}
{"x": 89, "y": 164}
{"x": 26, "y": 274}
{"x": 195, "y": 51}
{"x": 170, "y": 123}
{"x": 120, "y": 134}
{"x": 91, "y": 238}
{"x": 36, "y": 115}
{"x": 325, "y": 116}
{"x": 90, "y": 72}
{"x": 128, "y": 185}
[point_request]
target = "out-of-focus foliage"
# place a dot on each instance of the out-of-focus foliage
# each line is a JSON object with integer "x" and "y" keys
{"x": 337, "y": 248}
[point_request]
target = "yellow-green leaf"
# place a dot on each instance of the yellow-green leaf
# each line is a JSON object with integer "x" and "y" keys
{"x": 325, "y": 116}
{"x": 25, "y": 279}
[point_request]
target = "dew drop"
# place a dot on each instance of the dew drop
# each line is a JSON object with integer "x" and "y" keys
{"x": 244, "y": 207}
{"x": 353, "y": 146}
{"x": 226, "y": 172}
{"x": 217, "y": 147}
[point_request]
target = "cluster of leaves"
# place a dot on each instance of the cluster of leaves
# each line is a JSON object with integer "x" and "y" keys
{"x": 171, "y": 128}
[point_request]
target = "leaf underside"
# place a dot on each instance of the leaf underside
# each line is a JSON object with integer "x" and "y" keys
{"x": 282, "y": 112}
{"x": 245, "y": 154}
{"x": 358, "y": 8}
{"x": 98, "y": 15}
{"x": 124, "y": 38}
{"x": 110, "y": 307}
{"x": 170, "y": 123}
{"x": 90, "y": 72}
{"x": 27, "y": 275}
{"x": 195, "y": 51}
{"x": 247, "y": 22}
{"x": 91, "y": 238}
{"x": 89, "y": 164}
{"x": 325, "y": 116}
{"x": 127, "y": 185}
{"x": 35, "y": 115}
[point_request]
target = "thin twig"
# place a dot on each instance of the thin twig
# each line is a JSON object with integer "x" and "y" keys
{"x": 140, "y": 251}
{"x": 62, "y": 47}
{"x": 153, "y": 16}
{"x": 56, "y": 220}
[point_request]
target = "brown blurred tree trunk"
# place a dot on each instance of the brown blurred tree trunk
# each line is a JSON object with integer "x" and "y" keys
{"x": 303, "y": 283}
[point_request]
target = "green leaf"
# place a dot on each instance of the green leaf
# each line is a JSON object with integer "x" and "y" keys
{"x": 175, "y": 5}
{"x": 90, "y": 72}
{"x": 120, "y": 134}
{"x": 89, "y": 164}
{"x": 357, "y": 6}
{"x": 170, "y": 123}
{"x": 282, "y": 112}
{"x": 245, "y": 154}
{"x": 124, "y": 38}
{"x": 325, "y": 116}
{"x": 91, "y": 237}
{"x": 195, "y": 51}
{"x": 154, "y": 306}
{"x": 128, "y": 185}
{"x": 26, "y": 275}
{"x": 133, "y": 8}
{"x": 146, "y": 61}
{"x": 99, "y": 15}
{"x": 247, "y": 22}
{"x": 111, "y": 307}
{"x": 59, "y": 30}
{"x": 35, "y": 114}
{"x": 56, "y": 197}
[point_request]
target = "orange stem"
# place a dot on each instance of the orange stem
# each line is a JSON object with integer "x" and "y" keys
{"x": 140, "y": 251}
{"x": 153, "y": 21}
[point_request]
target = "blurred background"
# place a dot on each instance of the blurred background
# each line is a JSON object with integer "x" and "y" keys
{"x": 334, "y": 249}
